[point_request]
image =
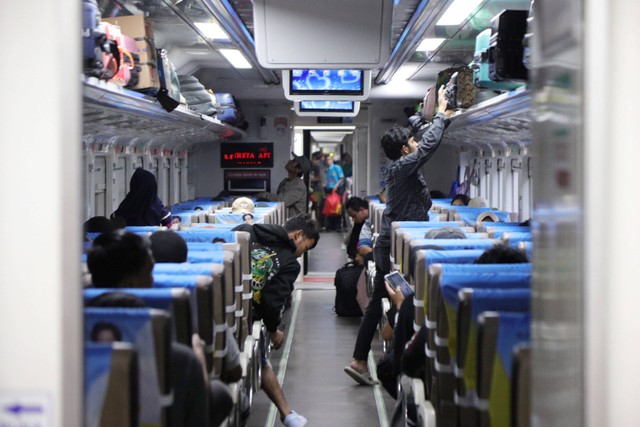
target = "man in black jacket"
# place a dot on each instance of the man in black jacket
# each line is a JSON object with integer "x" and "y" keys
{"x": 274, "y": 269}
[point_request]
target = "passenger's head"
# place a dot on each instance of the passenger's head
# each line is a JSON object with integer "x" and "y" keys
{"x": 116, "y": 299}
{"x": 445, "y": 233}
{"x": 487, "y": 216}
{"x": 108, "y": 332}
{"x": 120, "y": 259}
{"x": 347, "y": 159}
{"x": 218, "y": 240}
{"x": 460, "y": 200}
{"x": 478, "y": 202}
{"x": 303, "y": 231}
{"x": 395, "y": 142}
{"x": 298, "y": 165}
{"x": 99, "y": 224}
{"x": 357, "y": 209}
{"x": 168, "y": 246}
{"x": 328, "y": 160}
{"x": 242, "y": 205}
{"x": 316, "y": 157}
{"x": 105, "y": 332}
{"x": 143, "y": 181}
{"x": 247, "y": 218}
{"x": 502, "y": 254}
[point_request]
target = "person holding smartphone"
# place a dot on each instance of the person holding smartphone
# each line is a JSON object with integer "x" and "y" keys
{"x": 409, "y": 148}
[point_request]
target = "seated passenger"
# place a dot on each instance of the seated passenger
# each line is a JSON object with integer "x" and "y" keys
{"x": 141, "y": 205}
{"x": 360, "y": 245}
{"x": 460, "y": 200}
{"x": 478, "y": 202}
{"x": 170, "y": 247}
{"x": 188, "y": 375}
{"x": 413, "y": 357}
{"x": 120, "y": 259}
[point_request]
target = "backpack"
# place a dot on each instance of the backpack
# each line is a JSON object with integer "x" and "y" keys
{"x": 346, "y": 283}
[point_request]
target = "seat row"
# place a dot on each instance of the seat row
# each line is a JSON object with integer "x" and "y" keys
{"x": 203, "y": 212}
{"x": 475, "y": 321}
{"x": 209, "y": 295}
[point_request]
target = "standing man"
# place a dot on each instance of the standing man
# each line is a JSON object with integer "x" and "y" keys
{"x": 334, "y": 184}
{"x": 274, "y": 269}
{"x": 292, "y": 190}
{"x": 407, "y": 200}
{"x": 317, "y": 180}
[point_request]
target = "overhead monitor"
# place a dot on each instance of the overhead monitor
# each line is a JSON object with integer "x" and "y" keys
{"x": 323, "y": 108}
{"x": 326, "y": 85}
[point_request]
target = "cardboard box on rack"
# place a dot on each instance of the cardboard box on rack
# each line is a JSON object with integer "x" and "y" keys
{"x": 141, "y": 29}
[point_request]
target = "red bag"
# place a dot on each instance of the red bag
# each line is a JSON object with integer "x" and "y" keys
{"x": 332, "y": 205}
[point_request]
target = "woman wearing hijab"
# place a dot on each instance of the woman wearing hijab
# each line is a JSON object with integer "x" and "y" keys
{"x": 141, "y": 206}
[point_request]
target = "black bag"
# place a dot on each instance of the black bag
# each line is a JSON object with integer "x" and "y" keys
{"x": 346, "y": 283}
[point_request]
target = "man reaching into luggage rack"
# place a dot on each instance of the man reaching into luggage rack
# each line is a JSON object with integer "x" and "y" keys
{"x": 407, "y": 200}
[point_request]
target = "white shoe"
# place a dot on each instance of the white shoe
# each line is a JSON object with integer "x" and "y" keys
{"x": 294, "y": 420}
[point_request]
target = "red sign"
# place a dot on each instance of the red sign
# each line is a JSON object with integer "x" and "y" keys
{"x": 246, "y": 154}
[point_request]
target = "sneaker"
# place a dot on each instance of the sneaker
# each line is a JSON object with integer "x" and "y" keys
{"x": 294, "y": 420}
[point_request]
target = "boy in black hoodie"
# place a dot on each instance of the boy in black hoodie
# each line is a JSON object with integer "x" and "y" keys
{"x": 274, "y": 269}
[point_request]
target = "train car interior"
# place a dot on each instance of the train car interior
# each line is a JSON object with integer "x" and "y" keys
{"x": 214, "y": 99}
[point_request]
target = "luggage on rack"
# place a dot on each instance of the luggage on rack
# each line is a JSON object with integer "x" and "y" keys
{"x": 461, "y": 92}
{"x": 101, "y": 57}
{"x": 197, "y": 97}
{"x": 169, "y": 93}
{"x": 506, "y": 46}
{"x": 346, "y": 283}
{"x": 227, "y": 109}
{"x": 480, "y": 66}
{"x": 141, "y": 30}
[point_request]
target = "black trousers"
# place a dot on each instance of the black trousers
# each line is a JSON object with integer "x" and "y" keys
{"x": 372, "y": 316}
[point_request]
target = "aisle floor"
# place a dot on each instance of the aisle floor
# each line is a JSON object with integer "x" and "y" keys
{"x": 321, "y": 346}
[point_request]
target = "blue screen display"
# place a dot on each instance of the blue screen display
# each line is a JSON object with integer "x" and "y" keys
{"x": 329, "y": 82}
{"x": 337, "y": 106}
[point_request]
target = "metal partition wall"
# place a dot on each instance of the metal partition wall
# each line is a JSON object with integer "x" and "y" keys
{"x": 558, "y": 213}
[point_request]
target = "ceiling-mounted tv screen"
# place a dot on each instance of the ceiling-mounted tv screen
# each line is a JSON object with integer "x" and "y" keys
{"x": 309, "y": 85}
{"x": 324, "y": 108}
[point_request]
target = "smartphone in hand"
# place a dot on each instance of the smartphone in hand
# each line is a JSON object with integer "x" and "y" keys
{"x": 396, "y": 279}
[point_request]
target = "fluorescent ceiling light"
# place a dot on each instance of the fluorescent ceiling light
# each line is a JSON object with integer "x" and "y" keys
{"x": 235, "y": 58}
{"x": 212, "y": 31}
{"x": 429, "y": 45}
{"x": 404, "y": 72}
{"x": 458, "y": 12}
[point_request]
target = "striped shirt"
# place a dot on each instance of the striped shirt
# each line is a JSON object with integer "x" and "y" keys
{"x": 407, "y": 193}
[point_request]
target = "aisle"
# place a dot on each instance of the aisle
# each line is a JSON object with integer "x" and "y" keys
{"x": 329, "y": 255}
{"x": 314, "y": 382}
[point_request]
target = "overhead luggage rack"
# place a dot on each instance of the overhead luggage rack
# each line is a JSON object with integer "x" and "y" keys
{"x": 111, "y": 111}
{"x": 501, "y": 120}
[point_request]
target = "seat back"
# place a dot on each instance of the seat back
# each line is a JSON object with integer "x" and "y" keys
{"x": 176, "y": 301}
{"x": 472, "y": 303}
{"x": 399, "y": 226}
{"x": 207, "y": 302}
{"x": 426, "y": 257}
{"x": 110, "y": 385}
{"x": 409, "y": 251}
{"x": 207, "y": 235}
{"x": 149, "y": 330}
{"x": 444, "y": 340}
{"x": 500, "y": 333}
{"x": 469, "y": 215}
